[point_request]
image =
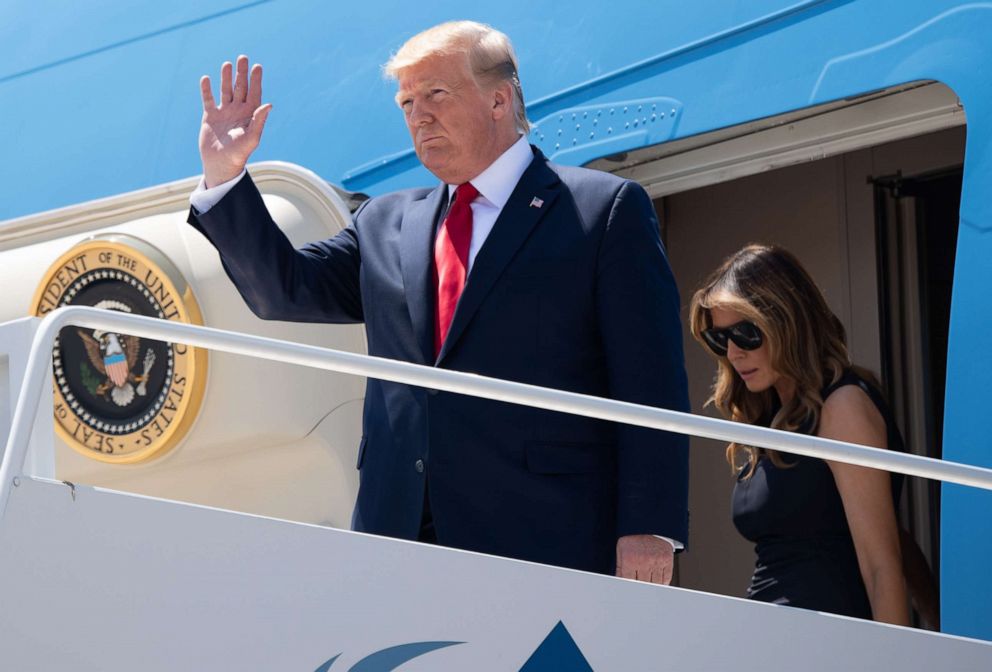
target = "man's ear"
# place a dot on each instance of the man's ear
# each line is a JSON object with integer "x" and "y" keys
{"x": 502, "y": 100}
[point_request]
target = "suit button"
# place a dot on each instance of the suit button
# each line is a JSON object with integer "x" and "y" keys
{"x": 419, "y": 466}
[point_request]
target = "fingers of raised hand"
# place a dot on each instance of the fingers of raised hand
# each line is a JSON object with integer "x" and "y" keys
{"x": 254, "y": 97}
{"x": 241, "y": 80}
{"x": 237, "y": 85}
{"x": 258, "y": 119}
{"x": 207, "y": 94}
{"x": 226, "y": 92}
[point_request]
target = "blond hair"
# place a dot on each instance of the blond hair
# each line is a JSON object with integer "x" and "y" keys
{"x": 806, "y": 342}
{"x": 490, "y": 57}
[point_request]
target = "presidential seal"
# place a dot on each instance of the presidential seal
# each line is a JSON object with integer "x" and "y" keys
{"x": 120, "y": 398}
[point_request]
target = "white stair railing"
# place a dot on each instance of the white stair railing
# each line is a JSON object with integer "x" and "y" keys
{"x": 449, "y": 381}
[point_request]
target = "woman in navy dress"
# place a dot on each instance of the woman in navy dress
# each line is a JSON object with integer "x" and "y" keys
{"x": 825, "y": 532}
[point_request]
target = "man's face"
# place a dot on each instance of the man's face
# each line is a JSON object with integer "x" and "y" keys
{"x": 453, "y": 122}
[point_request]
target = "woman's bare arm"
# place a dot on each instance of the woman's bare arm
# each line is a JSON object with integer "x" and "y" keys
{"x": 849, "y": 415}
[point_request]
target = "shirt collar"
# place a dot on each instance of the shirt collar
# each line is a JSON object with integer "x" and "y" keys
{"x": 498, "y": 181}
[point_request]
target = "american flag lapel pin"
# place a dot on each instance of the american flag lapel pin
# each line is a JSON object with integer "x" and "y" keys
{"x": 536, "y": 202}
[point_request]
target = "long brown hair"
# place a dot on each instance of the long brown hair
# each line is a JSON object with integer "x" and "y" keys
{"x": 806, "y": 342}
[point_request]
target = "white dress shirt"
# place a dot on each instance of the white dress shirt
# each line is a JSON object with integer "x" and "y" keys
{"x": 495, "y": 185}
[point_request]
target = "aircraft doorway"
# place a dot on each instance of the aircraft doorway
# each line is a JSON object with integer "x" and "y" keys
{"x": 917, "y": 227}
{"x": 834, "y": 214}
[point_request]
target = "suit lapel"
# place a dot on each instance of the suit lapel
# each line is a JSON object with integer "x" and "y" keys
{"x": 416, "y": 261}
{"x": 512, "y": 227}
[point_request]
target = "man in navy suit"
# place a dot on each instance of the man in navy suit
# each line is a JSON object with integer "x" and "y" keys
{"x": 513, "y": 268}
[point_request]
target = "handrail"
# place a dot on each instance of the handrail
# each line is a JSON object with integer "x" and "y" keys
{"x": 450, "y": 381}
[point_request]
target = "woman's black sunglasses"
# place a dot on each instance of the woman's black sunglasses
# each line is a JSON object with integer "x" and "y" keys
{"x": 745, "y": 336}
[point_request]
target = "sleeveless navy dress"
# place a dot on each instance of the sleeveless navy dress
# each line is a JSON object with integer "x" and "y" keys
{"x": 795, "y": 517}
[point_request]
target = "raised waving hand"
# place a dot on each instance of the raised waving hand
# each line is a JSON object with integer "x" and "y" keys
{"x": 231, "y": 130}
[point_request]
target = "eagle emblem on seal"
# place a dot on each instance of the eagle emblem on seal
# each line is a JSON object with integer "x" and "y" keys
{"x": 115, "y": 356}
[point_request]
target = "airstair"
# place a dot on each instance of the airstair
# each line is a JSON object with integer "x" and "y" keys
{"x": 95, "y": 579}
{"x": 195, "y": 559}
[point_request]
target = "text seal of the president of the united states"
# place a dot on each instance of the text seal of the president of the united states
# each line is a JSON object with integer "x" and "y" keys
{"x": 121, "y": 398}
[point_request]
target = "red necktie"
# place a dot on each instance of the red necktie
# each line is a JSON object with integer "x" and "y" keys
{"x": 451, "y": 260}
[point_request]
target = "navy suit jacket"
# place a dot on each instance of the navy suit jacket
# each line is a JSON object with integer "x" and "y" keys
{"x": 576, "y": 294}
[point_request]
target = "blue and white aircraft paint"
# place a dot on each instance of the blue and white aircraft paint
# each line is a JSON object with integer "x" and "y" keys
{"x": 101, "y": 98}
